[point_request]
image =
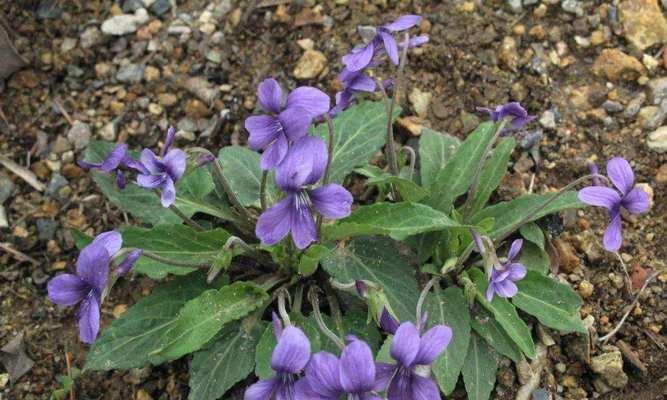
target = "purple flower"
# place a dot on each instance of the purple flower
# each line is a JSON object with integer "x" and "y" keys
{"x": 116, "y": 159}
{"x": 288, "y": 120}
{"x": 410, "y": 350}
{"x": 328, "y": 378}
{"x": 514, "y": 110}
{"x": 304, "y": 166}
{"x": 503, "y": 276}
{"x": 353, "y": 82}
{"x": 163, "y": 172}
{"x": 627, "y": 196}
{"x": 288, "y": 360}
{"x": 87, "y": 285}
{"x": 360, "y": 57}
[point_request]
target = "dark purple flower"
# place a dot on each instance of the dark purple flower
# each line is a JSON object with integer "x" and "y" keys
{"x": 288, "y": 119}
{"x": 162, "y": 173}
{"x": 627, "y": 196}
{"x": 360, "y": 57}
{"x": 353, "y": 82}
{"x": 328, "y": 378}
{"x": 410, "y": 350}
{"x": 503, "y": 276}
{"x": 519, "y": 116}
{"x": 87, "y": 285}
{"x": 126, "y": 265}
{"x": 115, "y": 160}
{"x": 304, "y": 166}
{"x": 289, "y": 358}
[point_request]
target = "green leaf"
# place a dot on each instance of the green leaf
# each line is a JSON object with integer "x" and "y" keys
{"x": 507, "y": 214}
{"x": 554, "y": 304}
{"x": 230, "y": 359}
{"x": 383, "y": 355}
{"x": 435, "y": 149}
{"x": 408, "y": 189}
{"x": 449, "y": 307}
{"x": 378, "y": 260}
{"x": 174, "y": 242}
{"x": 492, "y": 173}
{"x": 131, "y": 340}
{"x": 242, "y": 170}
{"x": 533, "y": 233}
{"x": 81, "y": 240}
{"x": 506, "y": 315}
{"x": 487, "y": 327}
{"x": 535, "y": 259}
{"x": 397, "y": 220}
{"x": 360, "y": 132}
{"x": 311, "y": 258}
{"x": 202, "y": 317}
{"x": 457, "y": 176}
{"x": 267, "y": 343}
{"x": 479, "y": 370}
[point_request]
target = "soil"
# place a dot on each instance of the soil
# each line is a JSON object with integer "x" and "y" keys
{"x": 478, "y": 55}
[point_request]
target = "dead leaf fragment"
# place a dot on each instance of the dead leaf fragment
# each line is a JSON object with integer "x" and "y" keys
{"x": 13, "y": 357}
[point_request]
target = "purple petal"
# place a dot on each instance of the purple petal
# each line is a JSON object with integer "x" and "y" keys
{"x": 423, "y": 388}
{"x": 275, "y": 153}
{"x": 274, "y": 223}
{"x": 359, "y": 58}
{"x": 390, "y": 46}
{"x": 88, "y": 165}
{"x": 405, "y": 346}
{"x": 262, "y": 390}
{"x": 515, "y": 248}
{"x": 270, "y": 95}
{"x": 111, "y": 240}
{"x": 621, "y": 175}
{"x": 263, "y": 129}
{"x": 303, "y": 391}
{"x": 403, "y": 22}
{"x": 357, "y": 368}
{"x": 89, "y": 319}
{"x": 516, "y": 271}
{"x": 277, "y": 325}
{"x": 121, "y": 181}
{"x": 490, "y": 290}
{"x": 67, "y": 289}
{"x": 150, "y": 161}
{"x": 313, "y": 100}
{"x": 168, "y": 196}
{"x": 432, "y": 344}
{"x": 383, "y": 374}
{"x": 322, "y": 375}
{"x": 175, "y": 163}
{"x": 506, "y": 288}
{"x": 636, "y": 201}
{"x": 302, "y": 226}
{"x": 600, "y": 196}
{"x": 304, "y": 164}
{"x": 292, "y": 352}
{"x": 93, "y": 265}
{"x": 171, "y": 135}
{"x": 151, "y": 181}
{"x": 613, "y": 237}
{"x": 295, "y": 122}
{"x": 362, "y": 83}
{"x": 320, "y": 153}
{"x": 388, "y": 323}
{"x": 126, "y": 265}
{"x": 399, "y": 388}
{"x": 417, "y": 41}
{"x": 332, "y": 201}
{"x": 114, "y": 158}
{"x": 136, "y": 165}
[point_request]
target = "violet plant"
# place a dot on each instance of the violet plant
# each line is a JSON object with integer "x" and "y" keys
{"x": 238, "y": 238}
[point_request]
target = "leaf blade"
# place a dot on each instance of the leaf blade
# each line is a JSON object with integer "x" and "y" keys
{"x": 479, "y": 370}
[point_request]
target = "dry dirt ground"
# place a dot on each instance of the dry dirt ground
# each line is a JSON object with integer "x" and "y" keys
{"x": 580, "y": 66}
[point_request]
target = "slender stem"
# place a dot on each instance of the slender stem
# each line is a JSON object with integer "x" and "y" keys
{"x": 236, "y": 242}
{"x": 390, "y": 138}
{"x": 413, "y": 159}
{"x": 315, "y": 303}
{"x": 335, "y": 310}
{"x": 625, "y": 268}
{"x": 472, "y": 192}
{"x": 262, "y": 190}
{"x": 177, "y": 263}
{"x": 185, "y": 218}
{"x": 332, "y": 143}
{"x": 423, "y": 294}
{"x": 281, "y": 307}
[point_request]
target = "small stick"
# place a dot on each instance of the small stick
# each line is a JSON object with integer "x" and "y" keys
{"x": 185, "y": 218}
{"x": 262, "y": 190}
{"x": 69, "y": 374}
{"x": 64, "y": 112}
{"x": 608, "y": 336}
{"x": 176, "y": 263}
{"x": 628, "y": 281}
{"x": 17, "y": 254}
{"x": 413, "y": 159}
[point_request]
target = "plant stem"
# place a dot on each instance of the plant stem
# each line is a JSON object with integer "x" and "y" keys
{"x": 327, "y": 171}
{"x": 185, "y": 218}
{"x": 413, "y": 159}
{"x": 281, "y": 306}
{"x": 391, "y": 145}
{"x": 177, "y": 263}
{"x": 262, "y": 190}
{"x": 478, "y": 171}
{"x": 315, "y": 303}
{"x": 423, "y": 294}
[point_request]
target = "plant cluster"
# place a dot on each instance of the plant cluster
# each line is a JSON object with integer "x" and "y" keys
{"x": 274, "y": 270}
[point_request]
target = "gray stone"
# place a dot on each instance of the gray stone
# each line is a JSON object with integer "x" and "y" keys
{"x": 6, "y": 188}
{"x": 4, "y": 223}
{"x": 56, "y": 183}
{"x": 46, "y": 228}
{"x": 610, "y": 367}
{"x": 611, "y": 106}
{"x": 658, "y": 90}
{"x": 540, "y": 394}
{"x": 573, "y": 7}
{"x": 657, "y": 140}
{"x": 90, "y": 37}
{"x": 79, "y": 135}
{"x": 651, "y": 117}
{"x": 160, "y": 7}
{"x": 634, "y": 105}
{"x": 130, "y": 6}
{"x": 530, "y": 2}
{"x": 548, "y": 119}
{"x": 515, "y": 6}
{"x": 49, "y": 9}
{"x": 131, "y": 73}
{"x": 123, "y": 24}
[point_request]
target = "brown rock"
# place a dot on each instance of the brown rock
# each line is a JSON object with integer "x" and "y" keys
{"x": 569, "y": 261}
{"x": 310, "y": 65}
{"x": 616, "y": 65}
{"x": 196, "y": 109}
{"x": 508, "y": 52}
{"x": 414, "y": 125}
{"x": 643, "y": 22}
{"x": 610, "y": 367}
{"x": 661, "y": 176}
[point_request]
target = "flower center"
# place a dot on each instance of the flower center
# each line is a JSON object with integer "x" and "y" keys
{"x": 302, "y": 200}
{"x": 287, "y": 386}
